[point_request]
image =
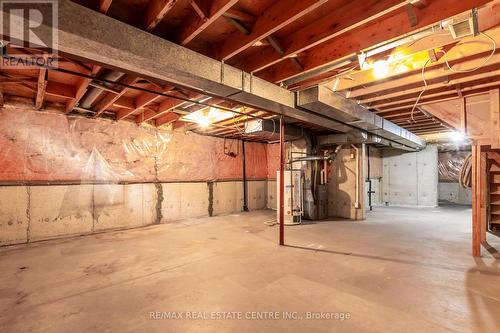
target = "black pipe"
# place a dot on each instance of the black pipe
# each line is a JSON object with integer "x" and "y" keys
{"x": 245, "y": 201}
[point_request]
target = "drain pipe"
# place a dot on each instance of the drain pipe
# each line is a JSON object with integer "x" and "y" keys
{"x": 245, "y": 190}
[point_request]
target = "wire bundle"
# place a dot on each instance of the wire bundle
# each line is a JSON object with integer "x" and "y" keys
{"x": 465, "y": 177}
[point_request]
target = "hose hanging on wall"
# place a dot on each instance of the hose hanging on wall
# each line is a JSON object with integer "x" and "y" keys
{"x": 465, "y": 178}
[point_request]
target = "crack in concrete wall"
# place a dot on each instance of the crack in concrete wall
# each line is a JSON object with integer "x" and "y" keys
{"x": 55, "y": 211}
{"x": 28, "y": 216}
{"x": 159, "y": 202}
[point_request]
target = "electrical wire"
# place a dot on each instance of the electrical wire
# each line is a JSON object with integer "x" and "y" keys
{"x": 129, "y": 86}
{"x": 422, "y": 92}
{"x": 494, "y": 48}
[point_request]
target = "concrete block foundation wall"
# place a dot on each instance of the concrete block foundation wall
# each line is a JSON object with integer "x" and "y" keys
{"x": 33, "y": 213}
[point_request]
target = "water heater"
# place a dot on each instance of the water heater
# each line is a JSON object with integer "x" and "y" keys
{"x": 293, "y": 196}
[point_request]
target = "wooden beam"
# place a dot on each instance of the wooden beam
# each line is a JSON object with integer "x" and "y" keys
{"x": 194, "y": 24}
{"x": 495, "y": 117}
{"x": 275, "y": 17}
{"x": 379, "y": 31}
{"x": 238, "y": 25}
{"x": 484, "y": 195}
{"x": 104, "y": 5}
{"x": 239, "y": 15}
{"x": 156, "y": 11}
{"x": 1, "y": 97}
{"x": 42, "y": 85}
{"x": 200, "y": 7}
{"x": 476, "y": 197}
{"x": 420, "y": 3}
{"x": 412, "y": 16}
{"x": 110, "y": 98}
{"x": 333, "y": 24}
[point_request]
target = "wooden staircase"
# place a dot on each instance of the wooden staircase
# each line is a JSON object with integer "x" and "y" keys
{"x": 494, "y": 190}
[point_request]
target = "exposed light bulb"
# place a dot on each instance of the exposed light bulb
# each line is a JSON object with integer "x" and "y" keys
{"x": 457, "y": 136}
{"x": 380, "y": 69}
{"x": 203, "y": 122}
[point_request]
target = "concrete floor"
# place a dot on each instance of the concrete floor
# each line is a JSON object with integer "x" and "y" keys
{"x": 402, "y": 270}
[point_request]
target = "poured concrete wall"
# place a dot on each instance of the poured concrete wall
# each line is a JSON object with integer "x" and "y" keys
{"x": 272, "y": 196}
{"x": 31, "y": 213}
{"x": 454, "y": 193}
{"x": 342, "y": 186}
{"x": 65, "y": 176}
{"x": 410, "y": 179}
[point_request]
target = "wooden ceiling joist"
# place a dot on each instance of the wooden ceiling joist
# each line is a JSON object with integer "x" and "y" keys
{"x": 166, "y": 118}
{"x": 156, "y": 11}
{"x": 380, "y": 31}
{"x": 104, "y": 5}
{"x": 278, "y": 15}
{"x": 334, "y": 24}
{"x": 445, "y": 92}
{"x": 143, "y": 100}
{"x": 438, "y": 73}
{"x": 441, "y": 84}
{"x": 42, "y": 85}
{"x": 476, "y": 90}
{"x": 110, "y": 98}
{"x": 166, "y": 106}
{"x": 194, "y": 25}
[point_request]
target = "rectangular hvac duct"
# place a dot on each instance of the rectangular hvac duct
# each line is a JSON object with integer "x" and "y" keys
{"x": 271, "y": 128}
{"x": 323, "y": 100}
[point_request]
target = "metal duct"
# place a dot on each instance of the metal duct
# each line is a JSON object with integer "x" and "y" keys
{"x": 322, "y": 100}
{"x": 357, "y": 137}
{"x": 94, "y": 92}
